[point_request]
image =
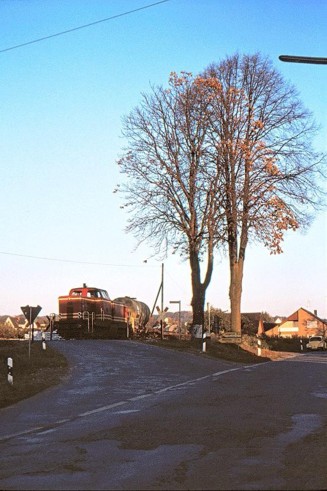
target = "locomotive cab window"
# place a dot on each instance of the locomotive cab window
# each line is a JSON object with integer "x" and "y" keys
{"x": 96, "y": 294}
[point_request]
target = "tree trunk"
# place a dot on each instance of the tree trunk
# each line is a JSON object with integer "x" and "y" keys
{"x": 198, "y": 292}
{"x": 198, "y": 300}
{"x": 198, "y": 288}
{"x": 235, "y": 294}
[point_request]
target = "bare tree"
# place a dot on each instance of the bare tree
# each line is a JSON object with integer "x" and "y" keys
{"x": 173, "y": 203}
{"x": 218, "y": 160}
{"x": 261, "y": 153}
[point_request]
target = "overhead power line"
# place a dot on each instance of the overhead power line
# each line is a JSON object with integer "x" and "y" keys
{"x": 84, "y": 26}
{"x": 71, "y": 260}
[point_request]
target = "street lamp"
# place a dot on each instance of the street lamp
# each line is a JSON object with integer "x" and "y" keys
{"x": 179, "y": 315}
{"x": 304, "y": 59}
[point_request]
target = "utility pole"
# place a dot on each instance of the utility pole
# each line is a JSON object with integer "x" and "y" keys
{"x": 162, "y": 298}
{"x": 161, "y": 310}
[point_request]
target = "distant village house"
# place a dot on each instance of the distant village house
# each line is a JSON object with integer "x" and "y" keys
{"x": 301, "y": 323}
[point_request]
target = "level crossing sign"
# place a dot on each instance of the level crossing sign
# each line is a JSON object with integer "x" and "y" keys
{"x": 161, "y": 313}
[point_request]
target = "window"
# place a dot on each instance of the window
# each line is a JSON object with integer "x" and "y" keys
{"x": 313, "y": 324}
{"x": 104, "y": 294}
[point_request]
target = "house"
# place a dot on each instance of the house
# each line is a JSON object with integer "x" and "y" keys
{"x": 11, "y": 322}
{"x": 301, "y": 323}
{"x": 20, "y": 324}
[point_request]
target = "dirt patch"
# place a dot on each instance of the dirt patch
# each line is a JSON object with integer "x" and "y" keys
{"x": 248, "y": 344}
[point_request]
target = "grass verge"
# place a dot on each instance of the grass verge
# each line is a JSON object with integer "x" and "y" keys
{"x": 31, "y": 374}
{"x": 214, "y": 349}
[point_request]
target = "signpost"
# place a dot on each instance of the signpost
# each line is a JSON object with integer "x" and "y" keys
{"x": 31, "y": 314}
{"x": 44, "y": 345}
{"x": 204, "y": 341}
{"x": 51, "y": 320}
{"x": 161, "y": 315}
{"x": 10, "y": 371}
{"x": 231, "y": 337}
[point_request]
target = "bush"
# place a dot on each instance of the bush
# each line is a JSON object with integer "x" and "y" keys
{"x": 7, "y": 332}
{"x": 276, "y": 343}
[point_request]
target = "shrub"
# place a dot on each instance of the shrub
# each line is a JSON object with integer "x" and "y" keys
{"x": 277, "y": 343}
{"x": 8, "y": 332}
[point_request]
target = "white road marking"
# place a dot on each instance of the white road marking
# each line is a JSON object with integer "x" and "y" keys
{"x": 48, "y": 427}
{"x": 143, "y": 396}
{"x": 101, "y": 409}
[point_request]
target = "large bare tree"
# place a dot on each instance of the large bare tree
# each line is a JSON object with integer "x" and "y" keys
{"x": 261, "y": 152}
{"x": 173, "y": 202}
{"x": 218, "y": 160}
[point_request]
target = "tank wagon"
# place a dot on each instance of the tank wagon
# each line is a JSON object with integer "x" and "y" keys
{"x": 138, "y": 312}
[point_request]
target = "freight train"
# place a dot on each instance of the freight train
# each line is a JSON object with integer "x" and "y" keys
{"x": 88, "y": 312}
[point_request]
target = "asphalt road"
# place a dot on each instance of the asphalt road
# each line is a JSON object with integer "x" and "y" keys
{"x": 135, "y": 416}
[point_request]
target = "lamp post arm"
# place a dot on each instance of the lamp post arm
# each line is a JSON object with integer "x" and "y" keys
{"x": 303, "y": 59}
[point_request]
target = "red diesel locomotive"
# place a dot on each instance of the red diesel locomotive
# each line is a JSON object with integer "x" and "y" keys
{"x": 89, "y": 313}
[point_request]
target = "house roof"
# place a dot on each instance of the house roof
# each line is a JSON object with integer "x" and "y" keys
{"x": 292, "y": 317}
{"x": 253, "y": 316}
{"x": 295, "y": 316}
{"x": 270, "y": 325}
{"x": 13, "y": 321}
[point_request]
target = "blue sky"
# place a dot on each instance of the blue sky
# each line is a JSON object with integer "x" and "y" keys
{"x": 62, "y": 101}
